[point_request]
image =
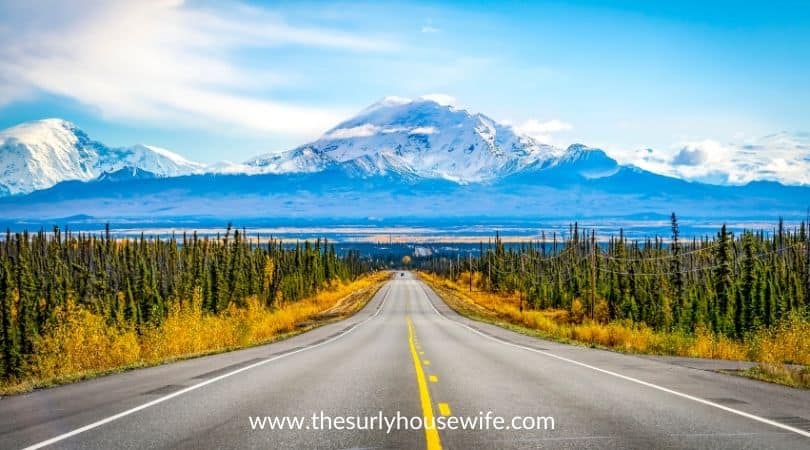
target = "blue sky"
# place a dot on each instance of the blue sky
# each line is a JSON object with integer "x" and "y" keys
{"x": 215, "y": 80}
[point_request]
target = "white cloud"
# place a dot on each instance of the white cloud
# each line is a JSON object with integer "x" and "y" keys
{"x": 162, "y": 60}
{"x": 690, "y": 157}
{"x": 423, "y": 130}
{"x": 783, "y": 157}
{"x": 700, "y": 153}
{"x": 542, "y": 131}
{"x": 391, "y": 130}
{"x": 442, "y": 99}
{"x": 364, "y": 130}
{"x": 368, "y": 130}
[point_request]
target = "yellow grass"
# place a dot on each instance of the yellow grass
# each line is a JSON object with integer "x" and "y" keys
{"x": 779, "y": 373}
{"x": 79, "y": 343}
{"x": 788, "y": 343}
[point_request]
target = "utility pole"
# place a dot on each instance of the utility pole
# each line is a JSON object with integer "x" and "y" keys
{"x": 489, "y": 272}
{"x": 807, "y": 262}
{"x": 593, "y": 272}
{"x": 471, "y": 272}
{"x": 522, "y": 274}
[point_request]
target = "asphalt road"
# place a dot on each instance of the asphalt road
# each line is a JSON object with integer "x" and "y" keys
{"x": 407, "y": 352}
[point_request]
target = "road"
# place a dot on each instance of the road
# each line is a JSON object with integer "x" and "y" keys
{"x": 408, "y": 352}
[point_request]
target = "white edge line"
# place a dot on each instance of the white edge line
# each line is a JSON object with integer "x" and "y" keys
{"x": 112, "y": 418}
{"x": 625, "y": 377}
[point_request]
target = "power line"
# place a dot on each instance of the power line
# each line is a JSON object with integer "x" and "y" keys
{"x": 699, "y": 269}
{"x": 654, "y": 258}
{"x": 504, "y": 261}
{"x": 644, "y": 274}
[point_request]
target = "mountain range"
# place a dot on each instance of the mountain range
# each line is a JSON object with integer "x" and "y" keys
{"x": 38, "y": 155}
{"x": 398, "y": 157}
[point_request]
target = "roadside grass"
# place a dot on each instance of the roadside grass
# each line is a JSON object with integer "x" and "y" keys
{"x": 80, "y": 344}
{"x": 778, "y": 350}
{"x": 780, "y": 374}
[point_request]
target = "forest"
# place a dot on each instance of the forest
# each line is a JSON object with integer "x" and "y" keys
{"x": 79, "y": 303}
{"x": 728, "y": 284}
{"x": 48, "y": 280}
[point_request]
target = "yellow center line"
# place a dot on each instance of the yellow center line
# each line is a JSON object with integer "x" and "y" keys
{"x": 433, "y": 379}
{"x": 444, "y": 409}
{"x": 431, "y": 434}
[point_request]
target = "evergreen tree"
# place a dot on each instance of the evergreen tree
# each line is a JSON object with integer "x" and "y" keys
{"x": 691, "y": 284}
{"x": 27, "y": 297}
{"x": 723, "y": 283}
{"x": 676, "y": 271}
{"x": 7, "y": 345}
{"x": 747, "y": 295}
{"x": 805, "y": 237}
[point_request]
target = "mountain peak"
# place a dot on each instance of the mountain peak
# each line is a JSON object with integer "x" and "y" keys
{"x": 589, "y": 162}
{"x": 126, "y": 173}
{"x": 424, "y": 136}
{"x": 387, "y": 102}
{"x": 397, "y": 101}
{"x": 38, "y": 154}
{"x": 51, "y": 122}
{"x": 576, "y": 152}
{"x": 37, "y": 131}
{"x": 56, "y": 122}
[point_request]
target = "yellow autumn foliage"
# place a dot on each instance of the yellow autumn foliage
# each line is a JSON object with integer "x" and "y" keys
{"x": 788, "y": 343}
{"x": 79, "y": 342}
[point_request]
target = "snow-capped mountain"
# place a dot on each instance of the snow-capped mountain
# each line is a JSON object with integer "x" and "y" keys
{"x": 397, "y": 158}
{"x": 586, "y": 162}
{"x": 417, "y": 137}
{"x": 37, "y": 155}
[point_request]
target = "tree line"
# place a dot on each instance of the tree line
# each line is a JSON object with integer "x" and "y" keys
{"x": 729, "y": 284}
{"x": 133, "y": 282}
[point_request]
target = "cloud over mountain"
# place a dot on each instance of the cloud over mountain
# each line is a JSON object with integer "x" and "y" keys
{"x": 782, "y": 157}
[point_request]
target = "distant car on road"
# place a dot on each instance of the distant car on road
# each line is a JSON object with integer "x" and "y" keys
{"x": 402, "y": 274}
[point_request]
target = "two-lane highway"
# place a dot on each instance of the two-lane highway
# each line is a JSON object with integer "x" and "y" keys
{"x": 406, "y": 354}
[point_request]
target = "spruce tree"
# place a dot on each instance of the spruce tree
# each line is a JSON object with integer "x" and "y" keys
{"x": 26, "y": 293}
{"x": 722, "y": 282}
{"x": 748, "y": 301}
{"x": 5, "y": 325}
{"x": 675, "y": 269}
{"x": 805, "y": 237}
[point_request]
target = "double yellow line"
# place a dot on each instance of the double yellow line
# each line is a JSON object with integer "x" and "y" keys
{"x": 431, "y": 434}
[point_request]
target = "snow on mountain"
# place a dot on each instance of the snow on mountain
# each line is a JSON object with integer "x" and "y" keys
{"x": 452, "y": 162}
{"x": 419, "y": 137}
{"x": 37, "y": 155}
{"x": 299, "y": 160}
{"x": 423, "y": 139}
{"x": 230, "y": 168}
{"x": 588, "y": 162}
{"x": 157, "y": 160}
